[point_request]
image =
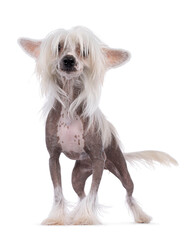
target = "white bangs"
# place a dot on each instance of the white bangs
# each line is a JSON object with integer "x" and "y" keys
{"x": 91, "y": 79}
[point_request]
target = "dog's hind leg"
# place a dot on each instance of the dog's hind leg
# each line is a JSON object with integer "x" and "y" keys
{"x": 81, "y": 171}
{"x": 117, "y": 165}
{"x": 58, "y": 214}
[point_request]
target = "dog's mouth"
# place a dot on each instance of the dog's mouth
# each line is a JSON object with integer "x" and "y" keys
{"x": 68, "y": 73}
{"x": 70, "y": 70}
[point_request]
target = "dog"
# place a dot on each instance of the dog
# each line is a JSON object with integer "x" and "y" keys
{"x": 71, "y": 65}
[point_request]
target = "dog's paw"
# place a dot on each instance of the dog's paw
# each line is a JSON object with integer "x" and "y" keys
{"x": 143, "y": 218}
{"x": 85, "y": 213}
{"x": 59, "y": 215}
{"x": 54, "y": 221}
{"x": 84, "y": 220}
{"x": 139, "y": 215}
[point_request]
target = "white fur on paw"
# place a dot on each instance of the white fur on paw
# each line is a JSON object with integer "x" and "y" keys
{"x": 143, "y": 218}
{"x": 86, "y": 220}
{"x": 139, "y": 215}
{"x": 57, "y": 216}
{"x": 85, "y": 213}
{"x": 54, "y": 221}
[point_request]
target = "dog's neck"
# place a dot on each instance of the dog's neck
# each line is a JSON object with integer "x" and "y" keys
{"x": 72, "y": 90}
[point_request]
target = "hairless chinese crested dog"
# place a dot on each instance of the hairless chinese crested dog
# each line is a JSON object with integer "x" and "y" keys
{"x": 71, "y": 66}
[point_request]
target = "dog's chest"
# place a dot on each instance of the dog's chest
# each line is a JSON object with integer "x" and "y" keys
{"x": 70, "y": 133}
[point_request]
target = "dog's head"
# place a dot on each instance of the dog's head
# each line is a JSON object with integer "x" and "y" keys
{"x": 67, "y": 54}
{"x": 76, "y": 57}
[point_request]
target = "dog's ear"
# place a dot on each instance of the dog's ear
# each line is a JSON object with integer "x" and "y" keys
{"x": 115, "y": 57}
{"x": 32, "y": 47}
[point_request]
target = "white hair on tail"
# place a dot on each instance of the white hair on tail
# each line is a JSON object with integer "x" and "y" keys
{"x": 90, "y": 81}
{"x": 150, "y": 158}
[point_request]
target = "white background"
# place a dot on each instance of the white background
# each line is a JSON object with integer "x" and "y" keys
{"x": 148, "y": 100}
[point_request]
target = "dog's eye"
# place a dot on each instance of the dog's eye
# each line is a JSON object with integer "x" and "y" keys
{"x": 60, "y": 47}
{"x": 78, "y": 51}
{"x": 85, "y": 53}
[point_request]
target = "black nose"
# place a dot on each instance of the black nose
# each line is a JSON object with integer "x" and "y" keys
{"x": 68, "y": 63}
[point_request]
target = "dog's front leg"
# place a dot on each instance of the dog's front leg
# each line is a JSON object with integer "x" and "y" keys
{"x": 58, "y": 214}
{"x": 86, "y": 211}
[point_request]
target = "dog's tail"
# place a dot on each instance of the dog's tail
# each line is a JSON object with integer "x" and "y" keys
{"x": 150, "y": 158}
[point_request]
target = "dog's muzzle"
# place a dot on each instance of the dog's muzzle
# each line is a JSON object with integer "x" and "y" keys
{"x": 68, "y": 64}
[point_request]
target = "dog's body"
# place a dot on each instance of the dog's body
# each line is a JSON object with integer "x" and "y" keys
{"x": 71, "y": 65}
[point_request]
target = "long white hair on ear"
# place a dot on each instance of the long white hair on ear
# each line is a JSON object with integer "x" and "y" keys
{"x": 90, "y": 81}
